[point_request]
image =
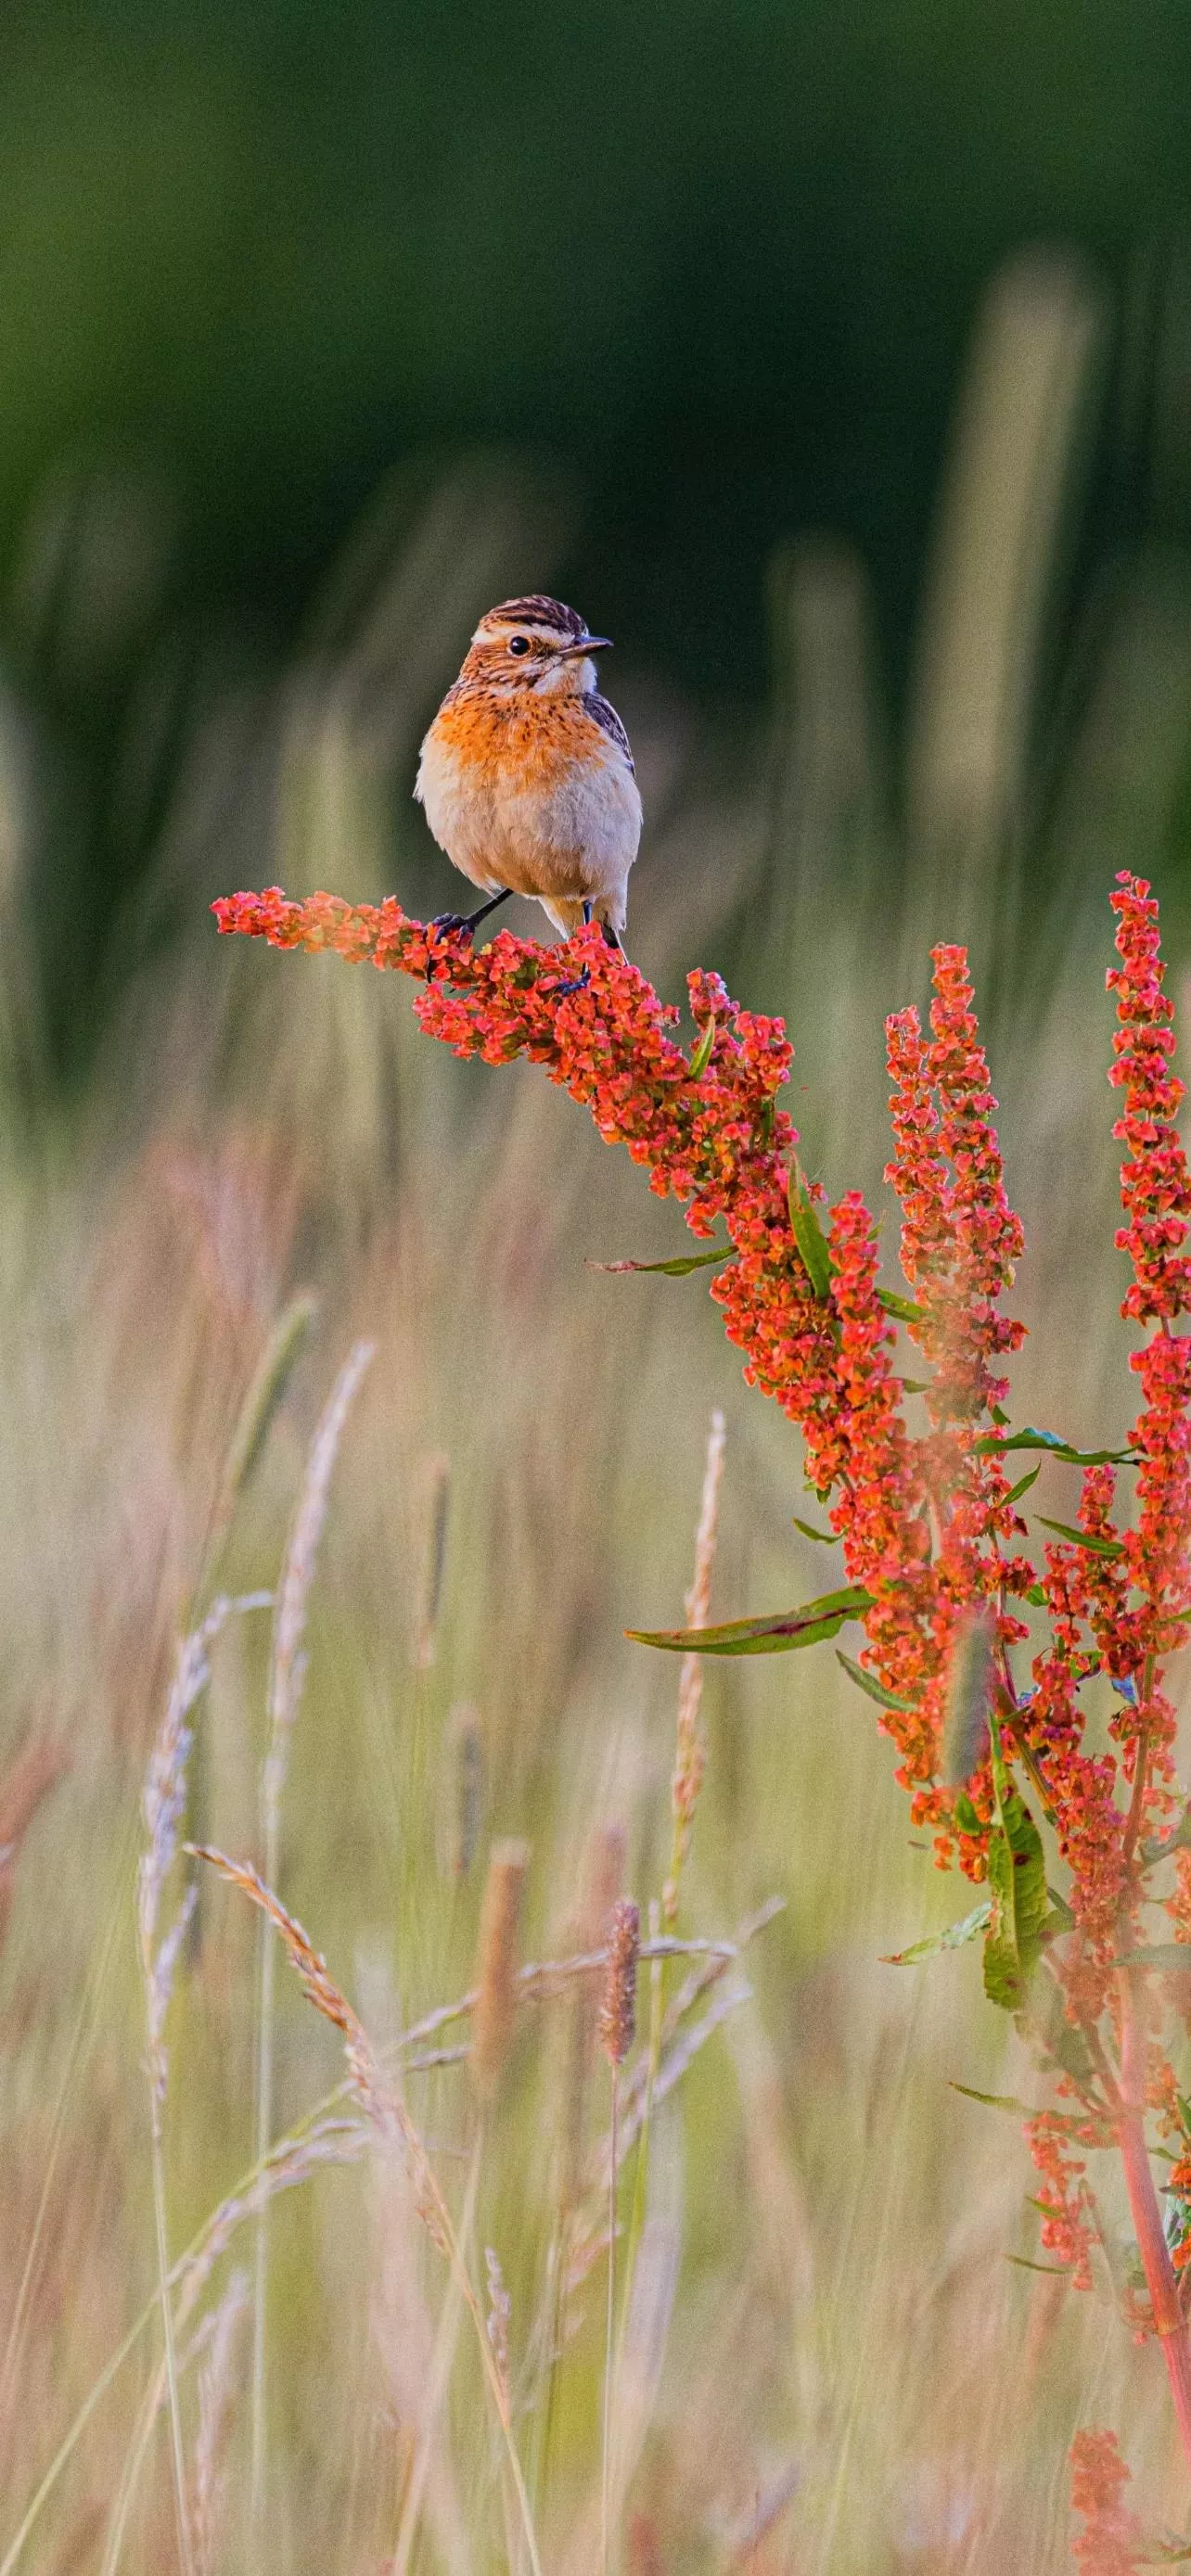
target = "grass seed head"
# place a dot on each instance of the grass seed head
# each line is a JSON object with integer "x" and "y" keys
{"x": 618, "y": 2006}
{"x": 496, "y": 1966}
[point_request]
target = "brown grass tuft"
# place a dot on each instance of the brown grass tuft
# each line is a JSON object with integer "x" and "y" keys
{"x": 496, "y": 1966}
{"x": 618, "y": 2005}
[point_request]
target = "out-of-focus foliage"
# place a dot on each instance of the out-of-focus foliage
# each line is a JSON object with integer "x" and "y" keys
{"x": 299, "y": 308}
{"x": 722, "y": 259}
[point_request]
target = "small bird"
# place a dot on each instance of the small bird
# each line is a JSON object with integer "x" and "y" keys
{"x": 526, "y": 774}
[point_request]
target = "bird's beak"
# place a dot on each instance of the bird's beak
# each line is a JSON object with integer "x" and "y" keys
{"x": 586, "y": 644}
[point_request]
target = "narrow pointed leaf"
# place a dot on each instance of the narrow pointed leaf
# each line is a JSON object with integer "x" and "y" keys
{"x": 1017, "y": 1885}
{"x": 701, "y": 1054}
{"x": 995, "y": 2101}
{"x": 808, "y": 1233}
{"x": 775, "y": 1635}
{"x": 826, "y": 1538}
{"x": 678, "y": 1268}
{"x": 952, "y": 1937}
{"x": 873, "y": 1689}
{"x": 1057, "y": 1447}
{"x": 1081, "y": 1538}
{"x": 903, "y": 1308}
{"x": 1023, "y": 1484}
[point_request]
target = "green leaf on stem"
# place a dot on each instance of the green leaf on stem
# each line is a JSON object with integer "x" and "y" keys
{"x": 808, "y": 1233}
{"x": 868, "y": 1683}
{"x": 902, "y": 1308}
{"x": 1056, "y": 1447}
{"x": 826, "y": 1538}
{"x": 1023, "y": 1484}
{"x": 679, "y": 1268}
{"x": 775, "y": 1635}
{"x": 1036, "y": 1596}
{"x": 952, "y": 1937}
{"x": 1081, "y": 1538}
{"x": 1024, "y": 2265}
{"x": 701, "y": 1054}
{"x": 1017, "y": 1882}
{"x": 995, "y": 2101}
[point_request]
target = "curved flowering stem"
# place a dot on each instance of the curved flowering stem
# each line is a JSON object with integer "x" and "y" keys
{"x": 929, "y": 1522}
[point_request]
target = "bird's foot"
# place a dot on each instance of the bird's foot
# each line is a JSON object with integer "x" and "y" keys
{"x": 453, "y": 921}
{"x": 578, "y": 984}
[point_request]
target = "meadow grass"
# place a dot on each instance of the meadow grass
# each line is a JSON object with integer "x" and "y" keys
{"x": 821, "y": 2358}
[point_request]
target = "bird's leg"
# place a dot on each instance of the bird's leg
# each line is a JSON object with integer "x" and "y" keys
{"x": 470, "y": 921}
{"x": 580, "y": 982}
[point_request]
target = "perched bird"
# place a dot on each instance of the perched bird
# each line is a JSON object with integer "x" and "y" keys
{"x": 526, "y": 773}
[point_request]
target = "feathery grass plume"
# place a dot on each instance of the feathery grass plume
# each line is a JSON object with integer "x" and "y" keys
{"x": 288, "y": 1665}
{"x": 292, "y": 2161}
{"x": 214, "y": 2424}
{"x": 382, "y": 2105}
{"x": 690, "y": 1751}
{"x": 162, "y": 1807}
{"x": 385, "y": 2109}
{"x": 34, "y": 1770}
{"x": 618, "y": 2003}
{"x": 500, "y": 2309}
{"x": 496, "y": 1966}
{"x": 605, "y": 1878}
{"x": 286, "y": 1673}
{"x": 434, "y": 1564}
{"x": 969, "y": 1683}
{"x": 264, "y": 1396}
{"x": 618, "y": 2018}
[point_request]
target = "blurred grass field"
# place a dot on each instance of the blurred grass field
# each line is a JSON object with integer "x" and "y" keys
{"x": 831, "y": 2366}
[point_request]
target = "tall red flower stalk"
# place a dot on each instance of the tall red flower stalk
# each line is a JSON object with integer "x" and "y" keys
{"x": 976, "y": 1650}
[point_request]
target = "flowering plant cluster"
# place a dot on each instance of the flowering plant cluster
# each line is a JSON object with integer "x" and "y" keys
{"x": 977, "y": 1648}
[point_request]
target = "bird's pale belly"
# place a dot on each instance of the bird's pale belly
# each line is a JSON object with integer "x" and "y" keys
{"x": 559, "y": 827}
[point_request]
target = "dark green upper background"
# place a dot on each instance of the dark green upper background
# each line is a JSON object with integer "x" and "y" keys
{"x": 721, "y": 258}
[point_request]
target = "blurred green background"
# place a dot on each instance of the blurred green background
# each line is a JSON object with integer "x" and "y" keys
{"x": 713, "y": 269}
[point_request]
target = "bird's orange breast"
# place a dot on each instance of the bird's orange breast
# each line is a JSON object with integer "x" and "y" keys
{"x": 529, "y": 744}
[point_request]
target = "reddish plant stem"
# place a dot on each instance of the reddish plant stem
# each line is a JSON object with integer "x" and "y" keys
{"x": 1169, "y": 2323}
{"x": 1141, "y": 1771}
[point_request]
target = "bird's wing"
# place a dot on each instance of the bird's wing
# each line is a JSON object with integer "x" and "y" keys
{"x": 609, "y": 722}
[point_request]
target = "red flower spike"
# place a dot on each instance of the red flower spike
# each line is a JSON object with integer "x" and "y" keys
{"x": 1111, "y": 2540}
{"x": 925, "y": 1524}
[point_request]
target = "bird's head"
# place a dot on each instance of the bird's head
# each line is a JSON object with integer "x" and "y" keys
{"x": 533, "y": 645}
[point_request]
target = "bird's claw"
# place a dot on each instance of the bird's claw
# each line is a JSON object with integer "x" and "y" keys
{"x": 451, "y": 921}
{"x": 578, "y": 984}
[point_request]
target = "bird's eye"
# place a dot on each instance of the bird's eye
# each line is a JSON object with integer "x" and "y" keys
{"x": 519, "y": 644}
